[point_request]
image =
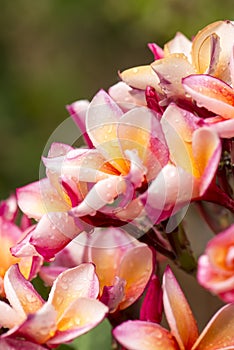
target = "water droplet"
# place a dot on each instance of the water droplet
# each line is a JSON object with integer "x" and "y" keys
{"x": 30, "y": 298}
{"x": 64, "y": 286}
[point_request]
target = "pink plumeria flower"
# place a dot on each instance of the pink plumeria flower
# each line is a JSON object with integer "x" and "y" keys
{"x": 123, "y": 264}
{"x": 216, "y": 96}
{"x": 215, "y": 266}
{"x": 10, "y": 235}
{"x": 98, "y": 186}
{"x": 208, "y": 53}
{"x": 194, "y": 157}
{"x": 183, "y": 334}
{"x": 71, "y": 309}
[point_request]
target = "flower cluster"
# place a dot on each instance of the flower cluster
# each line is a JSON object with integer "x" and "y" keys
{"x": 106, "y": 216}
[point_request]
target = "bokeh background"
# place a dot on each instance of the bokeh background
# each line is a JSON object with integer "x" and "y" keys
{"x": 53, "y": 52}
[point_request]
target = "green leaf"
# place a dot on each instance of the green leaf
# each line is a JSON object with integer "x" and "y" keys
{"x": 98, "y": 338}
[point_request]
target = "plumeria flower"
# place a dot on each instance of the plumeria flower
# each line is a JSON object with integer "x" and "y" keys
{"x": 98, "y": 186}
{"x": 216, "y": 96}
{"x": 194, "y": 157}
{"x": 208, "y": 53}
{"x": 123, "y": 264}
{"x": 183, "y": 334}
{"x": 10, "y": 235}
{"x": 71, "y": 309}
{"x": 215, "y": 266}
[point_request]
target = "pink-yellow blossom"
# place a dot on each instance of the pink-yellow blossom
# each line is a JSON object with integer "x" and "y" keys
{"x": 183, "y": 334}
{"x": 71, "y": 308}
{"x": 216, "y": 267}
{"x": 123, "y": 264}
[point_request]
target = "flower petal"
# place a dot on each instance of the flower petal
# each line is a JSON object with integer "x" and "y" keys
{"x": 19, "y": 344}
{"x": 166, "y": 68}
{"x": 101, "y": 123}
{"x": 152, "y": 306}
{"x": 8, "y": 208}
{"x": 179, "y": 44}
{"x": 38, "y": 198}
{"x": 49, "y": 273}
{"x": 113, "y": 295}
{"x": 140, "y": 335}
{"x": 207, "y": 151}
{"x": 38, "y": 327}
{"x": 78, "y": 111}
{"x": 179, "y": 315}
{"x": 21, "y": 294}
{"x": 53, "y": 232}
{"x": 9, "y": 317}
{"x": 140, "y": 130}
{"x": 126, "y": 97}
{"x": 140, "y": 77}
{"x": 211, "y": 93}
{"x": 219, "y": 333}
{"x": 201, "y": 48}
{"x": 9, "y": 235}
{"x": 136, "y": 269}
{"x": 74, "y": 283}
{"x": 224, "y": 128}
{"x": 178, "y": 126}
{"x": 157, "y": 51}
{"x": 172, "y": 188}
{"x": 102, "y": 193}
{"x": 82, "y": 315}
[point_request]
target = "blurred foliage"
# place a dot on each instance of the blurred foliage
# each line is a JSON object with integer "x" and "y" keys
{"x": 55, "y": 51}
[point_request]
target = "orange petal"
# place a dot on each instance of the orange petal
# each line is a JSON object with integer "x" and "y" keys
{"x": 140, "y": 130}
{"x": 107, "y": 246}
{"x": 179, "y": 315}
{"x": 178, "y": 126}
{"x": 82, "y": 312}
{"x": 207, "y": 151}
{"x": 101, "y": 123}
{"x": 136, "y": 269}
{"x": 201, "y": 48}
{"x": 219, "y": 333}
{"x": 74, "y": 283}
{"x": 140, "y": 77}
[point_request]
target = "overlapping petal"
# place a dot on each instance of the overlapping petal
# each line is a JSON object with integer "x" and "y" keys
{"x": 211, "y": 93}
{"x": 147, "y": 336}
{"x": 179, "y": 315}
{"x": 71, "y": 309}
{"x": 219, "y": 333}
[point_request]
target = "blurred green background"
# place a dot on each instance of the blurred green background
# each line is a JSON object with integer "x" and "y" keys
{"x": 56, "y": 51}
